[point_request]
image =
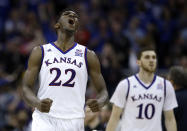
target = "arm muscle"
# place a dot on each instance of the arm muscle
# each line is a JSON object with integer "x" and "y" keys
{"x": 96, "y": 77}
{"x": 30, "y": 77}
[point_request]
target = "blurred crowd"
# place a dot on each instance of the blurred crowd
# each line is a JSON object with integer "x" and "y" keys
{"x": 114, "y": 29}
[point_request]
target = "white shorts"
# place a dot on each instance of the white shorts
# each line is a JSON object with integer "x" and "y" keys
{"x": 42, "y": 122}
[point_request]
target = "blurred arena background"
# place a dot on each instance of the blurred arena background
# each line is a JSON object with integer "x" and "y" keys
{"x": 114, "y": 29}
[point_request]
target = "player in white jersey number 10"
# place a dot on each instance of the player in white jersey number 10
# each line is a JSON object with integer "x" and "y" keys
{"x": 141, "y": 98}
{"x": 63, "y": 68}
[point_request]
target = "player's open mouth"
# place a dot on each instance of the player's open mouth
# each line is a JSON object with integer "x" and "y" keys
{"x": 70, "y": 21}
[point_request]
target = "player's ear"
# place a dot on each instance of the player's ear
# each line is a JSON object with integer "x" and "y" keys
{"x": 57, "y": 26}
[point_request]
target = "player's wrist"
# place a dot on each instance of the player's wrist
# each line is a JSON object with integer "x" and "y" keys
{"x": 102, "y": 100}
{"x": 37, "y": 104}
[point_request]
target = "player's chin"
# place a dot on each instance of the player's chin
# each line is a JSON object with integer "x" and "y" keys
{"x": 152, "y": 70}
{"x": 71, "y": 30}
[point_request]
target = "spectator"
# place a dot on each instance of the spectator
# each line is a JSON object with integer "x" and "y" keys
{"x": 178, "y": 77}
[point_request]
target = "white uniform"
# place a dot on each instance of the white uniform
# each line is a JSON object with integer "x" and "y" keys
{"x": 143, "y": 104}
{"x": 63, "y": 78}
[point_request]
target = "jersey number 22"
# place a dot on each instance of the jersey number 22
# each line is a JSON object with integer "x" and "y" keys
{"x": 68, "y": 83}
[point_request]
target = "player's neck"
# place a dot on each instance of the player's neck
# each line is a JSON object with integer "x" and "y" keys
{"x": 145, "y": 76}
{"x": 65, "y": 41}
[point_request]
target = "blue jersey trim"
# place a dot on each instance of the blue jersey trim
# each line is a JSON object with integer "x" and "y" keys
{"x": 146, "y": 87}
{"x": 64, "y": 52}
{"x": 164, "y": 87}
{"x": 86, "y": 60}
{"x": 42, "y": 55}
{"x": 128, "y": 88}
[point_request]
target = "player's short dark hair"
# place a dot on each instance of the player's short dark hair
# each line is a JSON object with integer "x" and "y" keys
{"x": 144, "y": 48}
{"x": 178, "y": 75}
{"x": 67, "y": 9}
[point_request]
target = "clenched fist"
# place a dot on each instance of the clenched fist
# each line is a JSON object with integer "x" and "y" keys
{"x": 93, "y": 104}
{"x": 44, "y": 105}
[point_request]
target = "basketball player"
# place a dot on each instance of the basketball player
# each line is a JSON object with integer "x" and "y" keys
{"x": 142, "y": 97}
{"x": 62, "y": 67}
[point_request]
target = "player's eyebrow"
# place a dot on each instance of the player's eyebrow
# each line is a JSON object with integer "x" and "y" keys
{"x": 65, "y": 13}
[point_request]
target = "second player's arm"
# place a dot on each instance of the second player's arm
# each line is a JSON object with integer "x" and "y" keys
{"x": 170, "y": 121}
{"x": 98, "y": 81}
{"x": 114, "y": 118}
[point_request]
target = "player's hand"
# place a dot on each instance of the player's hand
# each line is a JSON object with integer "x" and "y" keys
{"x": 44, "y": 105}
{"x": 93, "y": 104}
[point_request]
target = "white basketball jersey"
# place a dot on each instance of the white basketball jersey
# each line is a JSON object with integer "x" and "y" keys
{"x": 63, "y": 78}
{"x": 143, "y": 104}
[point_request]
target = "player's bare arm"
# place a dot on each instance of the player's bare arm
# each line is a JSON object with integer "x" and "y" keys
{"x": 29, "y": 79}
{"x": 98, "y": 81}
{"x": 114, "y": 118}
{"x": 170, "y": 121}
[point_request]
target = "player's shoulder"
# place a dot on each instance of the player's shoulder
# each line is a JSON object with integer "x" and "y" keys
{"x": 166, "y": 81}
{"x": 123, "y": 81}
{"x": 48, "y": 47}
{"x": 39, "y": 49}
{"x": 131, "y": 77}
{"x": 126, "y": 80}
{"x": 35, "y": 55}
{"x": 88, "y": 51}
{"x": 81, "y": 46}
{"x": 161, "y": 78}
{"x": 36, "y": 50}
{"x": 91, "y": 55}
{"x": 45, "y": 45}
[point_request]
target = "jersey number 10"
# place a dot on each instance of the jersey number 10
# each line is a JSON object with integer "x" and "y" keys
{"x": 149, "y": 108}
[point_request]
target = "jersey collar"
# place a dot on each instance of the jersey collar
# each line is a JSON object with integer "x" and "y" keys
{"x": 64, "y": 52}
{"x": 141, "y": 83}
